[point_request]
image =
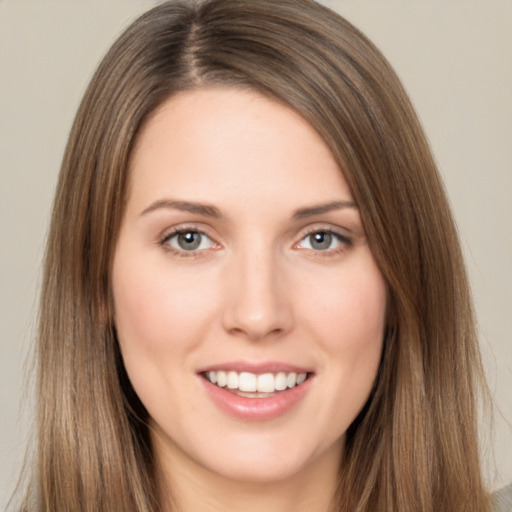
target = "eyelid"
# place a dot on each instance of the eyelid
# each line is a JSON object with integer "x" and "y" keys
{"x": 185, "y": 228}
{"x": 345, "y": 240}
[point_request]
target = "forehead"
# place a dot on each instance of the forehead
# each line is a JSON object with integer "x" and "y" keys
{"x": 222, "y": 143}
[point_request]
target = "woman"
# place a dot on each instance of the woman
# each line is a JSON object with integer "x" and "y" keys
{"x": 187, "y": 361}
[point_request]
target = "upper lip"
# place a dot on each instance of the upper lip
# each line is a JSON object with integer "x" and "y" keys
{"x": 255, "y": 367}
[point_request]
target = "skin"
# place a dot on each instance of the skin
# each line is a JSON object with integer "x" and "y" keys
{"x": 258, "y": 288}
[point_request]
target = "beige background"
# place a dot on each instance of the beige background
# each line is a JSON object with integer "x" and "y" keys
{"x": 455, "y": 58}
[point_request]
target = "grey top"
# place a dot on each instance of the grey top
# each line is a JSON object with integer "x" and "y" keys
{"x": 502, "y": 500}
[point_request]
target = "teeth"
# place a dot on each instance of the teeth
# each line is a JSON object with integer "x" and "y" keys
{"x": 252, "y": 383}
{"x": 232, "y": 380}
{"x": 291, "y": 380}
{"x": 281, "y": 381}
{"x": 247, "y": 382}
{"x": 221, "y": 379}
{"x": 266, "y": 383}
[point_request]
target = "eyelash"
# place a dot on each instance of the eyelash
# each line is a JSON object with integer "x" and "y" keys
{"x": 344, "y": 242}
{"x": 182, "y": 253}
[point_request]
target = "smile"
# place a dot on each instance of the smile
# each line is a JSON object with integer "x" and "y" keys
{"x": 252, "y": 385}
{"x": 256, "y": 392}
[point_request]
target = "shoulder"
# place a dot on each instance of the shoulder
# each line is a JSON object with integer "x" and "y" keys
{"x": 502, "y": 500}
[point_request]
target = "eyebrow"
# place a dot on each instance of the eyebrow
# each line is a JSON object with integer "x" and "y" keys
{"x": 186, "y": 206}
{"x": 211, "y": 211}
{"x": 322, "y": 208}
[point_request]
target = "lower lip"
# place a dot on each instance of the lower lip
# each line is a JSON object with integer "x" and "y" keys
{"x": 256, "y": 409}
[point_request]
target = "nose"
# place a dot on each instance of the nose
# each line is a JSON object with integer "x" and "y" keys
{"x": 259, "y": 302}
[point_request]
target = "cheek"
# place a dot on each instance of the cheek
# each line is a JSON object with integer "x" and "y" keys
{"x": 349, "y": 317}
{"x": 157, "y": 310}
{"x": 350, "y": 311}
{"x": 161, "y": 318}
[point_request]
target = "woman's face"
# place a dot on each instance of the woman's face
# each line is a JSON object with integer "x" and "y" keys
{"x": 241, "y": 269}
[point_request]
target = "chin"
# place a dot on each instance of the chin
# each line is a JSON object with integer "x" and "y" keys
{"x": 271, "y": 462}
{"x": 249, "y": 471}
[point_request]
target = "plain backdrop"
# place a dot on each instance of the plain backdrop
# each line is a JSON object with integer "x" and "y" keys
{"x": 455, "y": 59}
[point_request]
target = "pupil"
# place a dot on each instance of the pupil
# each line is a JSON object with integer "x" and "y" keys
{"x": 321, "y": 241}
{"x": 189, "y": 241}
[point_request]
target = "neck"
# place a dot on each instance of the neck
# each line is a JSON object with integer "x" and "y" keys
{"x": 185, "y": 486}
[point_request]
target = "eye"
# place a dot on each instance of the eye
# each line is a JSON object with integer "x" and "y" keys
{"x": 323, "y": 241}
{"x": 188, "y": 240}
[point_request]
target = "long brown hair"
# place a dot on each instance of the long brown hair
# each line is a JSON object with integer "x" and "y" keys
{"x": 414, "y": 445}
